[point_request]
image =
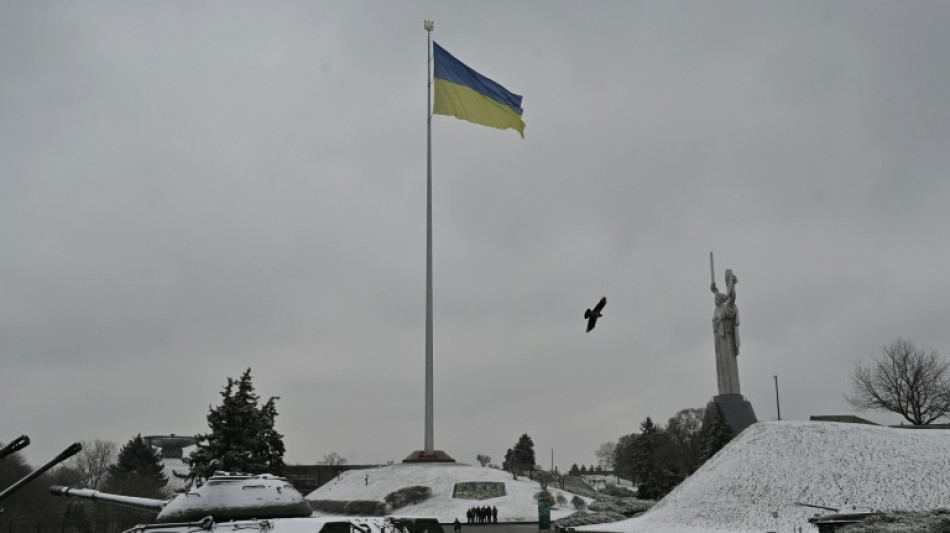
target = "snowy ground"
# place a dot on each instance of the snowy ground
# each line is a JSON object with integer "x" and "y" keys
{"x": 769, "y": 468}
{"x": 518, "y": 505}
{"x": 773, "y": 465}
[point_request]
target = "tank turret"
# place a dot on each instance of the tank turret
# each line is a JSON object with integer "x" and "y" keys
{"x": 223, "y": 497}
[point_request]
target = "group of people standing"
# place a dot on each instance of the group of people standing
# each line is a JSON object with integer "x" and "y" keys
{"x": 482, "y": 515}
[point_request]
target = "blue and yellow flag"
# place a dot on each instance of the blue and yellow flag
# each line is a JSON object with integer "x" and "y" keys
{"x": 463, "y": 93}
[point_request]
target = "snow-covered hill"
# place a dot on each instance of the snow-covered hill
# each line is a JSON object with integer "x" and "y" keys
{"x": 773, "y": 465}
{"x": 518, "y": 505}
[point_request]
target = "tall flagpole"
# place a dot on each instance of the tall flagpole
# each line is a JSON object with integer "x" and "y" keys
{"x": 429, "y": 446}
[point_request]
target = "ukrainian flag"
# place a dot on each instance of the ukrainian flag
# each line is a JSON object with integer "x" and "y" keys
{"x": 463, "y": 93}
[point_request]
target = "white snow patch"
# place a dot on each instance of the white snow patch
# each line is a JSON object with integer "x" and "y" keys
{"x": 771, "y": 466}
{"x": 518, "y": 504}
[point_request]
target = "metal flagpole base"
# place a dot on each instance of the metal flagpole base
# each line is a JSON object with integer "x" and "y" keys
{"x": 437, "y": 456}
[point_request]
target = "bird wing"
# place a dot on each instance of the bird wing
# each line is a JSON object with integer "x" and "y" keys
{"x": 600, "y": 304}
{"x": 590, "y": 322}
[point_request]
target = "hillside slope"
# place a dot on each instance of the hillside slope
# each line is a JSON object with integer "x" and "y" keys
{"x": 773, "y": 465}
{"x": 518, "y": 504}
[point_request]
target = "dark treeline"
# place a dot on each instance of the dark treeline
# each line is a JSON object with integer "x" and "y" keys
{"x": 32, "y": 509}
{"x": 239, "y": 424}
{"x": 658, "y": 458}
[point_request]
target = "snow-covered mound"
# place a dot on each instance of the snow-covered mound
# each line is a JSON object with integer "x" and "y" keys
{"x": 771, "y": 466}
{"x": 517, "y": 505}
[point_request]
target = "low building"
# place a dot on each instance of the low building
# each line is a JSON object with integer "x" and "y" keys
{"x": 847, "y": 419}
{"x": 172, "y": 451}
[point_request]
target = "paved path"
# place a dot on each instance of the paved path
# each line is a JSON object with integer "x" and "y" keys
{"x": 514, "y": 527}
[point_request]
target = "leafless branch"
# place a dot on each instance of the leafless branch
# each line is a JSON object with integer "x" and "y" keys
{"x": 912, "y": 381}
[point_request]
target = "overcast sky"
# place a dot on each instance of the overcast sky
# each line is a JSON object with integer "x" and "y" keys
{"x": 189, "y": 189}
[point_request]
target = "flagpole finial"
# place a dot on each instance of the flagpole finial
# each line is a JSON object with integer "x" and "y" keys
{"x": 429, "y": 25}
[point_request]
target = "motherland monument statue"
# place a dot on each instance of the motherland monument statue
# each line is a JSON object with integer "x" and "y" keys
{"x": 725, "y": 322}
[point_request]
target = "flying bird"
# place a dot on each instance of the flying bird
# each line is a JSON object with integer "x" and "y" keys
{"x": 593, "y": 314}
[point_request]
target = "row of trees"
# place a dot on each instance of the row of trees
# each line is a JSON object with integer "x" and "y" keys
{"x": 578, "y": 471}
{"x": 136, "y": 470}
{"x": 910, "y": 380}
{"x": 659, "y": 458}
{"x": 242, "y": 439}
{"x": 906, "y": 379}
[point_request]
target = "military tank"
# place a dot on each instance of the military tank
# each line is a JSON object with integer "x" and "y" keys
{"x": 231, "y": 501}
{"x": 837, "y": 517}
{"x": 223, "y": 496}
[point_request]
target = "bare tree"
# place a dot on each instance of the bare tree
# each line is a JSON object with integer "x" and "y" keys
{"x": 517, "y": 469}
{"x": 91, "y": 465}
{"x": 685, "y": 433}
{"x": 606, "y": 455}
{"x": 483, "y": 459}
{"x": 545, "y": 478}
{"x": 333, "y": 459}
{"x": 911, "y": 381}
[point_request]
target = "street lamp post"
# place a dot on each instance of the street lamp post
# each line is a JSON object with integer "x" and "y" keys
{"x": 778, "y": 407}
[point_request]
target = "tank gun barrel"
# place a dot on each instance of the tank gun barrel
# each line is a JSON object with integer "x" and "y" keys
{"x": 95, "y": 495}
{"x": 818, "y": 506}
{"x": 15, "y": 445}
{"x": 72, "y": 450}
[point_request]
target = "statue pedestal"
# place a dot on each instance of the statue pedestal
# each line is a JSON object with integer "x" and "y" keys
{"x": 738, "y": 411}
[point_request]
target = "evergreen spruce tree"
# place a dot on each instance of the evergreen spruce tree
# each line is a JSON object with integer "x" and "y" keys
{"x": 574, "y": 470}
{"x": 137, "y": 471}
{"x": 716, "y": 435}
{"x": 509, "y": 460}
{"x": 583, "y": 469}
{"x": 242, "y": 437}
{"x": 645, "y": 464}
{"x": 524, "y": 451}
{"x": 520, "y": 458}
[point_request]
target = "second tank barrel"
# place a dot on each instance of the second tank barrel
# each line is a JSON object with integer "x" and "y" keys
{"x": 15, "y": 445}
{"x": 72, "y": 450}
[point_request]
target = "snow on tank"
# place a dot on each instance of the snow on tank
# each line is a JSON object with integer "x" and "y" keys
{"x": 323, "y": 524}
{"x": 223, "y": 496}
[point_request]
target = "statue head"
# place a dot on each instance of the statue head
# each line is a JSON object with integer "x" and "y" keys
{"x": 721, "y": 298}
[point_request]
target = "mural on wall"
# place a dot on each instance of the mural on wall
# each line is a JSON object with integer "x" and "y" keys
{"x": 478, "y": 490}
